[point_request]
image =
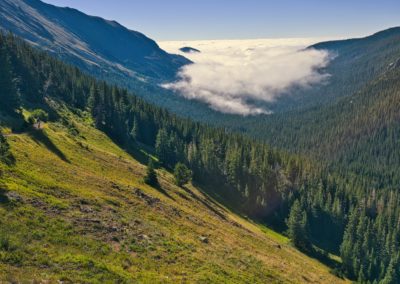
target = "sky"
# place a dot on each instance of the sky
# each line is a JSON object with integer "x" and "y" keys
{"x": 165, "y": 20}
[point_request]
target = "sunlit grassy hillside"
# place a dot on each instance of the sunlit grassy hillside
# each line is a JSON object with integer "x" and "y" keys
{"x": 74, "y": 208}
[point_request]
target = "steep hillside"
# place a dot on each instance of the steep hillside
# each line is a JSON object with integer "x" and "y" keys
{"x": 351, "y": 123}
{"x": 359, "y": 133}
{"x": 355, "y": 62}
{"x": 74, "y": 208}
{"x": 321, "y": 211}
{"x": 90, "y": 42}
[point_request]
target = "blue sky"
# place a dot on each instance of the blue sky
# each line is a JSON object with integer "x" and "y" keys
{"x": 245, "y": 19}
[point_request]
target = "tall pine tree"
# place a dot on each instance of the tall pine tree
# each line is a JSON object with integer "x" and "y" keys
{"x": 297, "y": 226}
{"x": 151, "y": 175}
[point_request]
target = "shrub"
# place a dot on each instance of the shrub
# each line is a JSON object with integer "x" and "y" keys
{"x": 37, "y": 116}
{"x": 182, "y": 174}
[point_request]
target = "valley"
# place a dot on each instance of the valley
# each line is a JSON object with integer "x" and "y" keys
{"x": 123, "y": 163}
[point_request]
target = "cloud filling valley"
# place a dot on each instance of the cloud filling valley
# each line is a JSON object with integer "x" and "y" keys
{"x": 236, "y": 76}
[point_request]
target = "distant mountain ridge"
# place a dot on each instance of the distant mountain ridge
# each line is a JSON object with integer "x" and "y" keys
{"x": 355, "y": 62}
{"x": 336, "y": 44}
{"x": 87, "y": 41}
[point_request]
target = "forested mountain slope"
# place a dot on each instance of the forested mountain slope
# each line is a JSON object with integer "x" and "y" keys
{"x": 354, "y": 130}
{"x": 359, "y": 133}
{"x": 319, "y": 210}
{"x": 354, "y": 63}
{"x": 74, "y": 207}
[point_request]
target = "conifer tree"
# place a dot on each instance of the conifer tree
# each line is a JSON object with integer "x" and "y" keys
{"x": 151, "y": 175}
{"x": 162, "y": 146}
{"x": 392, "y": 273}
{"x": 297, "y": 223}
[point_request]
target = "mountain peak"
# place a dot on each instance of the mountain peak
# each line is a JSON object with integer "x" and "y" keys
{"x": 89, "y": 41}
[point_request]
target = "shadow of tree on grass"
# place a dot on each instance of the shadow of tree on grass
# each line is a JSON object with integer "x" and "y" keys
{"x": 205, "y": 203}
{"x": 3, "y": 197}
{"x": 40, "y": 137}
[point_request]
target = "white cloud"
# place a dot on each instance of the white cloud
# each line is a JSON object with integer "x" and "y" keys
{"x": 233, "y": 75}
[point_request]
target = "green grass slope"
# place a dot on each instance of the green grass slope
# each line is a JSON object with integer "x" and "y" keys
{"x": 74, "y": 208}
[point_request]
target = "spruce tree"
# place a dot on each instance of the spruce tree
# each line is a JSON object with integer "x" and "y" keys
{"x": 297, "y": 223}
{"x": 151, "y": 175}
{"x": 392, "y": 273}
{"x": 162, "y": 146}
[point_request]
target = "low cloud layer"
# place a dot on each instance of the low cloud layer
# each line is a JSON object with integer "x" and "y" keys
{"x": 236, "y": 76}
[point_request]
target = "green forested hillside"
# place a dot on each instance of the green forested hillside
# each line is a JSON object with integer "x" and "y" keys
{"x": 74, "y": 206}
{"x": 322, "y": 211}
{"x": 354, "y": 63}
{"x": 358, "y": 134}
